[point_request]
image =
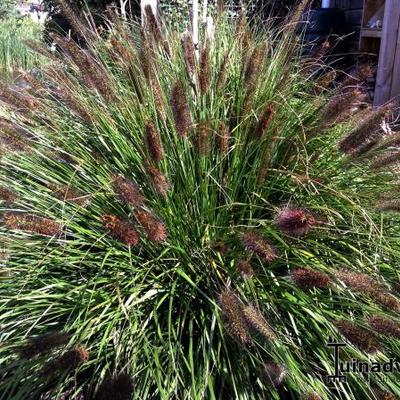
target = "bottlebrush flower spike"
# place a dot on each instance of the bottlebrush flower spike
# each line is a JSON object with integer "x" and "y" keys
{"x": 153, "y": 142}
{"x": 180, "y": 109}
{"x": 188, "y": 54}
{"x": 245, "y": 268}
{"x": 43, "y": 344}
{"x": 253, "y": 67}
{"x": 295, "y": 221}
{"x": 222, "y": 138}
{"x": 264, "y": 122}
{"x": 118, "y": 387}
{"x": 358, "y": 336}
{"x": 72, "y": 359}
{"x": 222, "y": 73}
{"x": 389, "y": 205}
{"x": 308, "y": 278}
{"x": 158, "y": 98}
{"x": 156, "y": 231}
{"x": 385, "y": 326}
{"x": 312, "y": 396}
{"x": 203, "y": 138}
{"x": 259, "y": 245}
{"x": 233, "y": 316}
{"x": 121, "y": 230}
{"x": 386, "y": 160}
{"x": 204, "y": 70}
{"x": 32, "y": 223}
{"x": 258, "y": 323}
{"x": 274, "y": 374}
{"x": 158, "y": 180}
{"x": 128, "y": 191}
{"x": 364, "y": 131}
{"x": 8, "y": 195}
{"x": 152, "y": 24}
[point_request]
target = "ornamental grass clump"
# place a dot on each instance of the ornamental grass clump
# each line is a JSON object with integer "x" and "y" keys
{"x": 188, "y": 223}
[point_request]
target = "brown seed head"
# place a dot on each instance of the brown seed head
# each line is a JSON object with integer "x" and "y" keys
{"x": 43, "y": 344}
{"x": 204, "y": 70}
{"x": 245, "y": 268}
{"x": 274, "y": 374}
{"x": 264, "y": 122}
{"x": 7, "y": 195}
{"x": 158, "y": 180}
{"x": 188, "y": 53}
{"x": 385, "y": 326}
{"x": 153, "y": 142}
{"x": 256, "y": 243}
{"x": 152, "y": 24}
{"x": 308, "y": 278}
{"x": 386, "y": 160}
{"x": 233, "y": 316}
{"x": 180, "y": 109}
{"x": 155, "y": 229}
{"x": 257, "y": 323}
{"x": 117, "y": 387}
{"x": 121, "y": 230}
{"x": 128, "y": 191}
{"x": 72, "y": 359}
{"x": 222, "y": 73}
{"x": 203, "y": 138}
{"x": 32, "y": 223}
{"x": 69, "y": 194}
{"x": 222, "y": 138}
{"x": 358, "y": 336}
{"x": 294, "y": 221}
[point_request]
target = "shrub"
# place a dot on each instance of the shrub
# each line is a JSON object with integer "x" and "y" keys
{"x": 182, "y": 232}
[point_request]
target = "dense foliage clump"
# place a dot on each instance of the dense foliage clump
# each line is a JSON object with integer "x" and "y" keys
{"x": 193, "y": 223}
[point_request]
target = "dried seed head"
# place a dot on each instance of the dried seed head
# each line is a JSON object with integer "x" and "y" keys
{"x": 326, "y": 80}
{"x": 40, "y": 48}
{"x": 203, "y": 138}
{"x": 384, "y": 395}
{"x": 312, "y": 396}
{"x": 72, "y": 359}
{"x": 264, "y": 122}
{"x": 358, "y": 336}
{"x": 368, "y": 286}
{"x": 338, "y": 107}
{"x": 385, "y": 326}
{"x": 256, "y": 243}
{"x": 204, "y": 70}
{"x": 222, "y": 73}
{"x": 257, "y": 323}
{"x": 180, "y": 109}
{"x": 121, "y": 230}
{"x": 158, "y": 180}
{"x": 153, "y": 142}
{"x": 220, "y": 247}
{"x": 152, "y": 24}
{"x": 253, "y": 67}
{"x": 233, "y": 317}
{"x": 274, "y": 374}
{"x": 188, "y": 53}
{"x": 128, "y": 191}
{"x": 7, "y": 195}
{"x": 43, "y": 344}
{"x": 389, "y": 205}
{"x": 32, "y": 223}
{"x": 366, "y": 130}
{"x": 295, "y": 221}
{"x": 308, "y": 278}
{"x": 158, "y": 98}
{"x": 73, "y": 18}
{"x": 222, "y": 138}
{"x": 361, "y": 283}
{"x": 117, "y": 387}
{"x": 155, "y": 229}
{"x": 69, "y": 194}
{"x": 245, "y": 268}
{"x": 386, "y": 160}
